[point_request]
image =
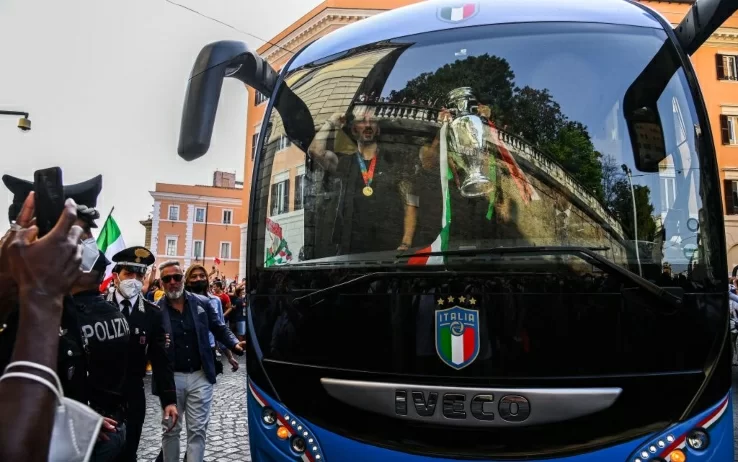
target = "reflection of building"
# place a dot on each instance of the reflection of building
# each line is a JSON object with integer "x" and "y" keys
{"x": 560, "y": 198}
{"x": 716, "y": 63}
{"x": 199, "y": 223}
{"x": 323, "y": 19}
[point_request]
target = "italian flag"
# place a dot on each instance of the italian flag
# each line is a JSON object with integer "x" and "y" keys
{"x": 440, "y": 244}
{"x": 458, "y": 13}
{"x": 279, "y": 254}
{"x": 456, "y": 348}
{"x": 110, "y": 242}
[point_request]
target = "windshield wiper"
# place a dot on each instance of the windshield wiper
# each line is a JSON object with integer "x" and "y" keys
{"x": 585, "y": 253}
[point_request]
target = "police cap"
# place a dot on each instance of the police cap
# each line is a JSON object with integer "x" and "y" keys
{"x": 84, "y": 194}
{"x": 137, "y": 258}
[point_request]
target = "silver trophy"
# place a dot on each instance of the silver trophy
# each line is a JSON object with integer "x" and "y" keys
{"x": 467, "y": 146}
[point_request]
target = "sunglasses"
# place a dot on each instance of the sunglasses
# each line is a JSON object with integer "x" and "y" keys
{"x": 168, "y": 279}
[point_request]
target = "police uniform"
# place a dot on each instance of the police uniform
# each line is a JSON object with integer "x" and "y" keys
{"x": 105, "y": 336}
{"x": 147, "y": 341}
{"x": 71, "y": 366}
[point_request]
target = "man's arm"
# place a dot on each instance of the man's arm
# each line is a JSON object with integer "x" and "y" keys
{"x": 412, "y": 202}
{"x": 318, "y": 148}
{"x": 162, "y": 368}
{"x": 27, "y": 435}
{"x": 219, "y": 330}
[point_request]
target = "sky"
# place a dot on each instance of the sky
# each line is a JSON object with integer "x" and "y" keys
{"x": 104, "y": 84}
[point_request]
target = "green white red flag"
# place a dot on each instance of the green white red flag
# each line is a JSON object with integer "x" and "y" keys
{"x": 110, "y": 241}
{"x": 440, "y": 244}
{"x": 279, "y": 252}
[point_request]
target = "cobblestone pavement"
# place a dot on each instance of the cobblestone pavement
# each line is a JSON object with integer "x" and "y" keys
{"x": 227, "y": 438}
{"x": 228, "y": 433}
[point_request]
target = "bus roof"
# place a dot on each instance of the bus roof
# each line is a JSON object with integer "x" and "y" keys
{"x": 434, "y": 15}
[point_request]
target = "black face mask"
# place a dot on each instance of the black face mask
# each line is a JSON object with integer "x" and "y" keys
{"x": 199, "y": 287}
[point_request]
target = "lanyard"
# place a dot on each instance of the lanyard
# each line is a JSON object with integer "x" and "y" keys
{"x": 367, "y": 175}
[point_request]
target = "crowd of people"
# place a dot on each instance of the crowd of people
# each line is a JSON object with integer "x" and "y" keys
{"x": 74, "y": 354}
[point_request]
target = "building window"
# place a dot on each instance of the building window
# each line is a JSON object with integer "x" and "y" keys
{"x": 299, "y": 192}
{"x": 254, "y": 142}
{"x": 280, "y": 197}
{"x": 174, "y": 212}
{"x": 727, "y": 67}
{"x": 225, "y": 250}
{"x": 171, "y": 247}
{"x": 260, "y": 98}
{"x": 199, "y": 214}
{"x": 729, "y": 129}
{"x": 731, "y": 197}
{"x": 284, "y": 143}
{"x": 197, "y": 249}
{"x": 227, "y": 217}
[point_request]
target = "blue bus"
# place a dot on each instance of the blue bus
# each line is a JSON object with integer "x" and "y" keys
{"x": 442, "y": 230}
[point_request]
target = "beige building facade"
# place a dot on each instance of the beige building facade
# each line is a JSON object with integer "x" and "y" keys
{"x": 199, "y": 224}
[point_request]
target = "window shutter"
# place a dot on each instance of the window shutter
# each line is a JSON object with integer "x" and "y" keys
{"x": 286, "y": 196}
{"x": 720, "y": 66}
{"x": 724, "y": 129}
{"x": 728, "y": 186}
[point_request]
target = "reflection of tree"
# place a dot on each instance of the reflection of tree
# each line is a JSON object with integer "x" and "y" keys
{"x": 527, "y": 112}
{"x": 617, "y": 197}
{"x": 610, "y": 174}
{"x": 489, "y": 76}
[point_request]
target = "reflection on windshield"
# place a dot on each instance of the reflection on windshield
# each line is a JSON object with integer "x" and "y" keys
{"x": 437, "y": 143}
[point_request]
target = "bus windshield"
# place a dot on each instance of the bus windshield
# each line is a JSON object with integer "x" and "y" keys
{"x": 480, "y": 138}
{"x": 513, "y": 204}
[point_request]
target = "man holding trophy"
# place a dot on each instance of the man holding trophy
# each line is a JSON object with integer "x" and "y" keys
{"x": 371, "y": 191}
{"x": 465, "y": 152}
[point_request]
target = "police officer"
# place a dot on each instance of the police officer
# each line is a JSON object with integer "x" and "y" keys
{"x": 148, "y": 341}
{"x": 105, "y": 337}
{"x": 71, "y": 366}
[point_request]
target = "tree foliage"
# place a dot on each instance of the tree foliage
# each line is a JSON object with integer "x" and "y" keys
{"x": 527, "y": 112}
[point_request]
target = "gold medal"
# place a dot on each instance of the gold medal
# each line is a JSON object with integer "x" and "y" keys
{"x": 368, "y": 191}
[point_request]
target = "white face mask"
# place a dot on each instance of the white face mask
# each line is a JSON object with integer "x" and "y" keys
{"x": 130, "y": 288}
{"x": 90, "y": 254}
{"x": 76, "y": 425}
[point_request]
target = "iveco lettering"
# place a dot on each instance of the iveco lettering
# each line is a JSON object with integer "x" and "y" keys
{"x": 460, "y": 246}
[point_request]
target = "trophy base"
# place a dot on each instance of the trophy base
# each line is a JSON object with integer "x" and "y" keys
{"x": 476, "y": 187}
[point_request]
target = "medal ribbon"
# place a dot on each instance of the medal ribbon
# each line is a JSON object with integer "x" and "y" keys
{"x": 368, "y": 176}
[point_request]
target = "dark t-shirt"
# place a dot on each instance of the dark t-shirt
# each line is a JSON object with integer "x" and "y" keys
{"x": 358, "y": 223}
{"x": 106, "y": 333}
{"x": 239, "y": 309}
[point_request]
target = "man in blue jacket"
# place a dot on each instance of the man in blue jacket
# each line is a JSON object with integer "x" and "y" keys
{"x": 188, "y": 318}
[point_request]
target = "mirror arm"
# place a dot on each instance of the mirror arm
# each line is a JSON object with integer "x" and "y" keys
{"x": 701, "y": 21}
{"x": 249, "y": 67}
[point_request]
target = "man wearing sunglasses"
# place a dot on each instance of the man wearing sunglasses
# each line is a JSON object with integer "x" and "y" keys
{"x": 148, "y": 342}
{"x": 188, "y": 318}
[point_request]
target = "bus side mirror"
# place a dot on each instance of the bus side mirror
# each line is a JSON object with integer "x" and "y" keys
{"x": 215, "y": 62}
{"x": 701, "y": 21}
{"x": 646, "y": 138}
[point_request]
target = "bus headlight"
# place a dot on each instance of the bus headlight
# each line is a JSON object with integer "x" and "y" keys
{"x": 268, "y": 416}
{"x": 298, "y": 444}
{"x": 698, "y": 439}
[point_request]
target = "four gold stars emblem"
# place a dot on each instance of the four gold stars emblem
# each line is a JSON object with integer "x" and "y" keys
{"x": 472, "y": 301}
